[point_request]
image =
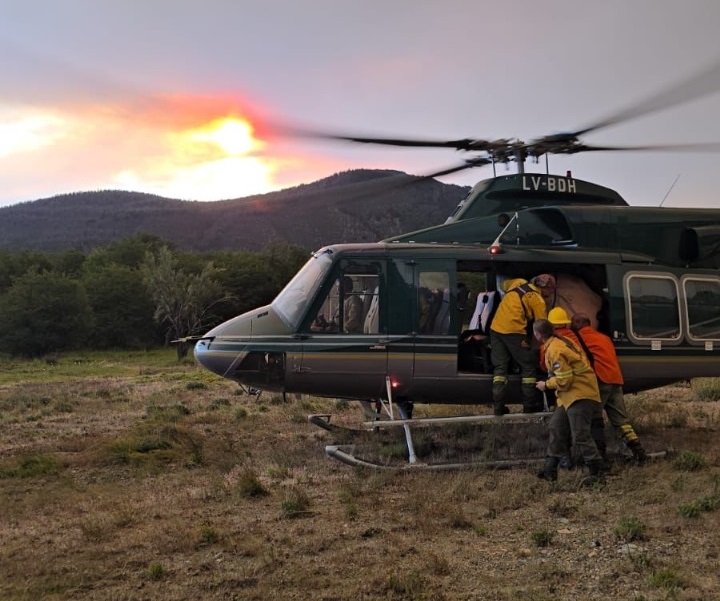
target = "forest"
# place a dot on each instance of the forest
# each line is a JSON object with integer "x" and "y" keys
{"x": 138, "y": 293}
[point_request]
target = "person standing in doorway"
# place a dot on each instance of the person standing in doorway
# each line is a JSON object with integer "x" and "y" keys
{"x": 511, "y": 339}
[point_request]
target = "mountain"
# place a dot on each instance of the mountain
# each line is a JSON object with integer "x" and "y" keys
{"x": 352, "y": 206}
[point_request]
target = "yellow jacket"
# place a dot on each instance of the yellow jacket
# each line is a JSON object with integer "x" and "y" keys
{"x": 571, "y": 375}
{"x": 513, "y": 312}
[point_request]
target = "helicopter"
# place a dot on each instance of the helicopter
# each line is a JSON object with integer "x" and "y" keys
{"x": 385, "y": 323}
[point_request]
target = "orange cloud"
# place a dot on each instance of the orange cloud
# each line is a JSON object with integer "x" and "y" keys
{"x": 181, "y": 147}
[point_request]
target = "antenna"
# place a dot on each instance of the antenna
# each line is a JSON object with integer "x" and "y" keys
{"x": 496, "y": 246}
{"x": 670, "y": 189}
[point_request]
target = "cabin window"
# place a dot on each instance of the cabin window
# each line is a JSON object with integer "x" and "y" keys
{"x": 703, "y": 307}
{"x": 654, "y": 309}
{"x": 351, "y": 305}
{"x": 293, "y": 300}
{"x": 433, "y": 302}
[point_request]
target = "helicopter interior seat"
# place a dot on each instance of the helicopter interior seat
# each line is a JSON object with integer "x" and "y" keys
{"x": 474, "y": 346}
{"x": 370, "y": 308}
{"x": 431, "y": 302}
{"x": 442, "y": 319}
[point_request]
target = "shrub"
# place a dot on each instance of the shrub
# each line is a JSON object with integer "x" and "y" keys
{"x": 155, "y": 571}
{"x": 542, "y": 538}
{"x": 706, "y": 389}
{"x": 630, "y": 529}
{"x": 295, "y": 503}
{"x": 667, "y": 578}
{"x": 689, "y": 461}
{"x": 249, "y": 485}
{"x": 208, "y": 535}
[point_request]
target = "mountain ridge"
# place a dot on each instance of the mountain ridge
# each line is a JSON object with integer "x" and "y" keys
{"x": 359, "y": 205}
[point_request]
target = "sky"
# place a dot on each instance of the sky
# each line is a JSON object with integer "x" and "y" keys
{"x": 180, "y": 97}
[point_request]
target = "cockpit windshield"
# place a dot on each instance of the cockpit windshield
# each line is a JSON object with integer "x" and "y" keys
{"x": 292, "y": 301}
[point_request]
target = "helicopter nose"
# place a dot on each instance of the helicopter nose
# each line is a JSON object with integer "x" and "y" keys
{"x": 217, "y": 356}
{"x": 224, "y": 346}
{"x": 239, "y": 349}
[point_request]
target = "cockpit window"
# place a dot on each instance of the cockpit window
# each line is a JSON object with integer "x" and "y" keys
{"x": 292, "y": 301}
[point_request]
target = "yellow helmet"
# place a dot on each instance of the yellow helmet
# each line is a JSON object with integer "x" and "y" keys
{"x": 558, "y": 317}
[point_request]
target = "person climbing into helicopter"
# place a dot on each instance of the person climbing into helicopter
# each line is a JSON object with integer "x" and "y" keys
{"x": 511, "y": 339}
{"x": 600, "y": 350}
{"x": 578, "y": 398}
{"x": 547, "y": 285}
{"x": 560, "y": 321}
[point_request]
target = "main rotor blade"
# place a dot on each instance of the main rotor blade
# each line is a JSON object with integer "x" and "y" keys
{"x": 464, "y": 144}
{"x": 701, "y": 147}
{"x": 703, "y": 83}
{"x": 468, "y": 164}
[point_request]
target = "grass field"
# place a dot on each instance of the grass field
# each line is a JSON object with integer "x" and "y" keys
{"x": 133, "y": 476}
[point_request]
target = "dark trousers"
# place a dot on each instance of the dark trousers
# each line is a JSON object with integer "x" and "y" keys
{"x": 513, "y": 347}
{"x": 572, "y": 425}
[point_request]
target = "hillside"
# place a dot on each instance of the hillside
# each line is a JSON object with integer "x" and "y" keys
{"x": 353, "y": 206}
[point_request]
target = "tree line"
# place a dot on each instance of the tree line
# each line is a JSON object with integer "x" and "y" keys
{"x": 138, "y": 293}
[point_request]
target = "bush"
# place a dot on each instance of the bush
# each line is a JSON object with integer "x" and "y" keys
{"x": 706, "y": 389}
{"x": 295, "y": 503}
{"x": 630, "y": 529}
{"x": 542, "y": 538}
{"x": 689, "y": 461}
{"x": 249, "y": 485}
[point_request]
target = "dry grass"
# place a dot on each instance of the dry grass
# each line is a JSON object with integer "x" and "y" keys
{"x": 159, "y": 482}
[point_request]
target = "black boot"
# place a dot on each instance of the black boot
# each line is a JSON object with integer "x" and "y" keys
{"x": 550, "y": 469}
{"x": 566, "y": 463}
{"x": 598, "y": 471}
{"x": 638, "y": 452}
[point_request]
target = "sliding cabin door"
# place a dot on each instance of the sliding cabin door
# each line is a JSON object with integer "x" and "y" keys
{"x": 422, "y": 341}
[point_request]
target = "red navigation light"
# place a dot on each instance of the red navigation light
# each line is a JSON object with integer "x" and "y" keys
{"x": 394, "y": 383}
{"x": 496, "y": 249}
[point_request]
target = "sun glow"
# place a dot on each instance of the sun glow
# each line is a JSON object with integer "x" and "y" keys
{"x": 187, "y": 149}
{"x": 233, "y": 135}
{"x": 28, "y": 133}
{"x": 217, "y": 160}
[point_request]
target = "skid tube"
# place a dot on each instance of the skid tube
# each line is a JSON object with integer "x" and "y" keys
{"x": 345, "y": 454}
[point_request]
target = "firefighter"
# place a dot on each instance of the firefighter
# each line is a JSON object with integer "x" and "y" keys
{"x": 578, "y": 397}
{"x": 560, "y": 322}
{"x": 601, "y": 352}
{"x": 511, "y": 339}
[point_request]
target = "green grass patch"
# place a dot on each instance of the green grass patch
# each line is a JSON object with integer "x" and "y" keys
{"x": 29, "y": 467}
{"x": 98, "y": 364}
{"x": 700, "y": 506}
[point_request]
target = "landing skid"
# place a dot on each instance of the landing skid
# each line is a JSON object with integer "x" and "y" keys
{"x": 322, "y": 420}
{"x": 345, "y": 454}
{"x": 385, "y": 416}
